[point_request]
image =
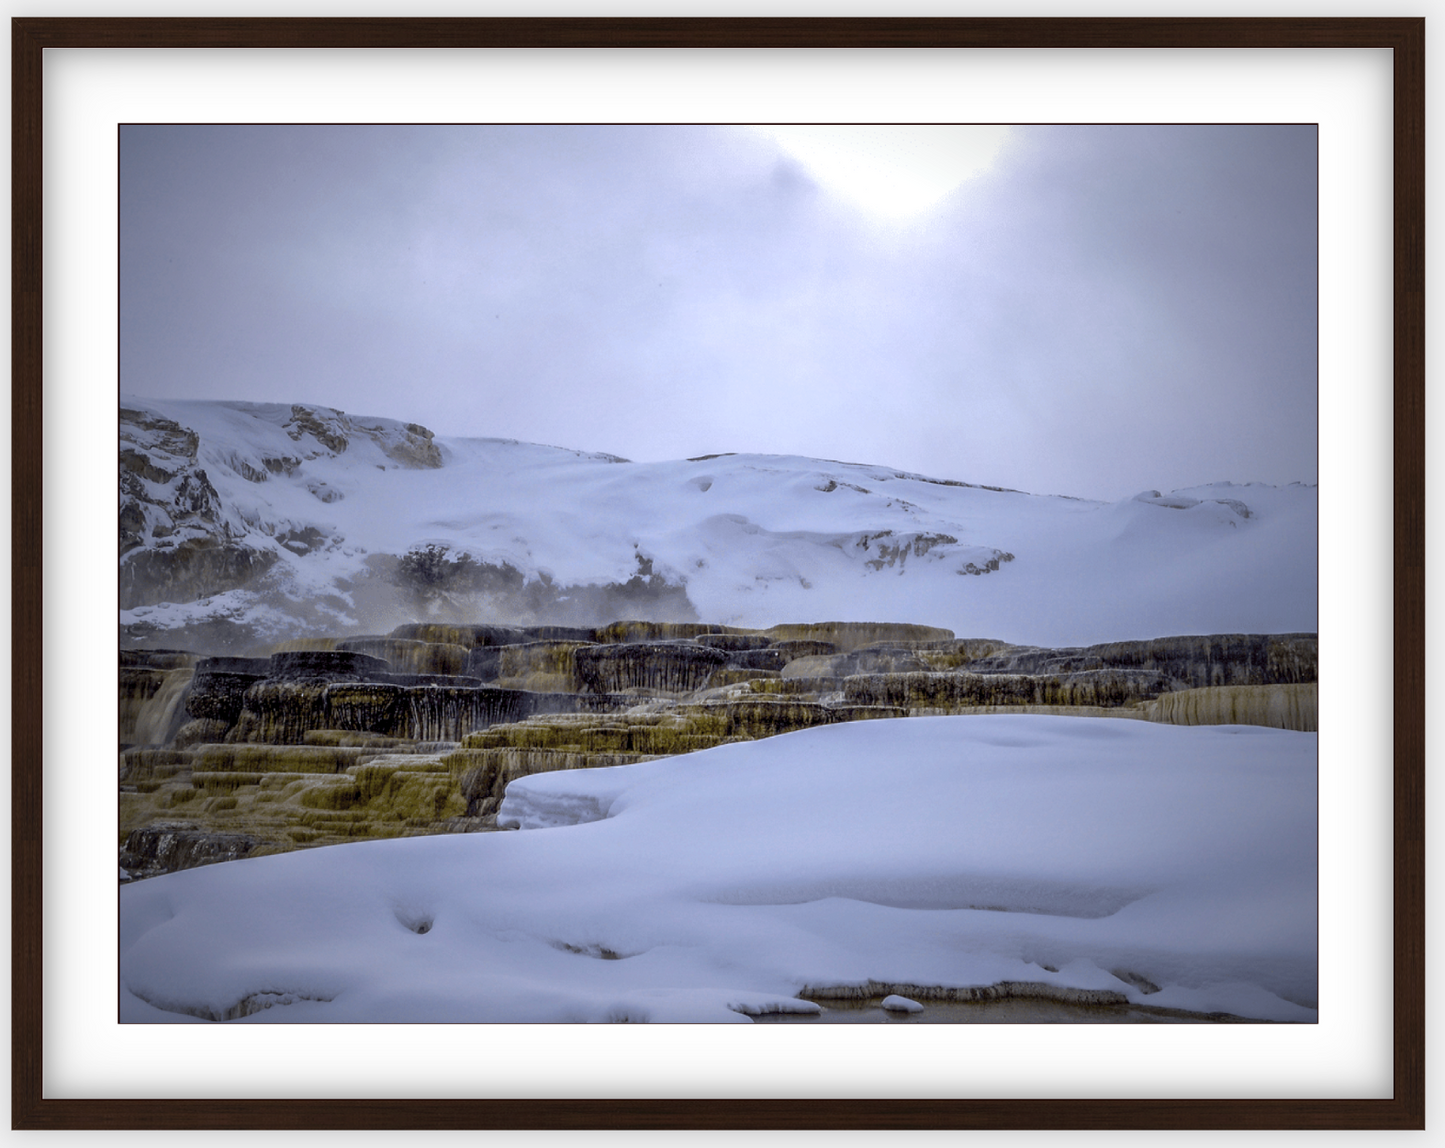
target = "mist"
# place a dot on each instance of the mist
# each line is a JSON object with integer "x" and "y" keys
{"x": 1099, "y": 310}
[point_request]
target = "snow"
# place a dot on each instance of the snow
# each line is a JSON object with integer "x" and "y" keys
{"x": 755, "y": 539}
{"x": 895, "y": 1003}
{"x": 950, "y": 852}
{"x": 1175, "y": 866}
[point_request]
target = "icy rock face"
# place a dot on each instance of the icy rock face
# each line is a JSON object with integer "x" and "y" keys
{"x": 164, "y": 848}
{"x": 186, "y": 533}
{"x": 734, "y": 643}
{"x": 942, "y": 693}
{"x": 219, "y": 690}
{"x": 163, "y": 492}
{"x": 845, "y": 637}
{"x": 329, "y": 664}
{"x": 284, "y": 712}
{"x": 469, "y": 637}
{"x": 546, "y": 665}
{"x": 1192, "y": 662}
{"x": 886, "y": 550}
{"x": 639, "y": 631}
{"x": 175, "y": 542}
{"x": 1293, "y": 706}
{"x": 665, "y": 667}
{"x": 412, "y": 657}
{"x": 409, "y": 445}
{"x": 873, "y": 660}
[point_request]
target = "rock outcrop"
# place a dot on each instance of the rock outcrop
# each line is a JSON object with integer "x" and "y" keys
{"x": 330, "y": 740}
{"x": 160, "y": 849}
{"x": 661, "y": 667}
{"x": 1193, "y": 662}
{"x": 1283, "y": 706}
{"x": 175, "y": 540}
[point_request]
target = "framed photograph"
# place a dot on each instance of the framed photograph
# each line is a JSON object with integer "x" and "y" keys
{"x": 99, "y": 105}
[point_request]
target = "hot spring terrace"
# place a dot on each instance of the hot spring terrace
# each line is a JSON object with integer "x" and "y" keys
{"x": 420, "y": 731}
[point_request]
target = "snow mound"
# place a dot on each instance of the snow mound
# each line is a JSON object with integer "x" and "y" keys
{"x": 1161, "y": 865}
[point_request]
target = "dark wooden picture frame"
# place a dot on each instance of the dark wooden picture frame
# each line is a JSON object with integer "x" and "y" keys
{"x": 1405, "y": 1110}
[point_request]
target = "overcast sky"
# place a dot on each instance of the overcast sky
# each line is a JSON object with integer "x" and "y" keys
{"x": 1096, "y": 311}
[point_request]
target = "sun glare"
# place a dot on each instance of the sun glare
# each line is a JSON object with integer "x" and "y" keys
{"x": 892, "y": 170}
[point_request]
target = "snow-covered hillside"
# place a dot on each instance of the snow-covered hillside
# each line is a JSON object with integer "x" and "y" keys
{"x": 279, "y": 521}
{"x": 1162, "y": 866}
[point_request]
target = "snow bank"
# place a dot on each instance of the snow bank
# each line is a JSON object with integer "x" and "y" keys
{"x": 752, "y": 539}
{"x": 1174, "y": 866}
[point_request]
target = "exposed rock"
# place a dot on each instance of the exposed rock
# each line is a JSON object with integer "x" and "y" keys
{"x": 765, "y": 717}
{"x": 291, "y": 758}
{"x": 800, "y": 687}
{"x": 869, "y": 660}
{"x": 331, "y": 428}
{"x": 162, "y": 492}
{"x": 667, "y": 667}
{"x": 323, "y": 742}
{"x": 734, "y": 642}
{"x": 729, "y": 676}
{"x": 670, "y": 730}
{"x": 175, "y": 542}
{"x": 329, "y": 664}
{"x": 285, "y": 711}
{"x": 139, "y": 766}
{"x": 259, "y": 667}
{"x": 219, "y": 695}
{"x": 302, "y": 540}
{"x": 635, "y": 631}
{"x": 482, "y": 775}
{"x": 165, "y": 848}
{"x": 545, "y": 665}
{"x": 185, "y": 570}
{"x": 468, "y": 637}
{"x": 956, "y": 653}
{"x": 412, "y": 448}
{"x": 769, "y": 659}
{"x": 281, "y": 711}
{"x": 804, "y": 648}
{"x": 412, "y": 657}
{"x": 303, "y": 646}
{"x": 1191, "y": 662}
{"x": 888, "y": 548}
{"x": 847, "y": 636}
{"x": 1292, "y": 706}
{"x": 944, "y": 693}
{"x": 158, "y": 659}
{"x": 199, "y": 731}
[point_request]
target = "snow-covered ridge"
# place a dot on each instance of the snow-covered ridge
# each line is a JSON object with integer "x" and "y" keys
{"x": 278, "y": 520}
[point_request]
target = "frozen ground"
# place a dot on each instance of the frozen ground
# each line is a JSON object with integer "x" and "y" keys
{"x": 955, "y": 851}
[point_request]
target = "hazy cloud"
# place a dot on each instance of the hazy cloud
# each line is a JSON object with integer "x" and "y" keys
{"x": 1105, "y": 309}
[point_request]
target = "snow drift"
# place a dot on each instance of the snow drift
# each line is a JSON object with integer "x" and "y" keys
{"x": 1166, "y": 866}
